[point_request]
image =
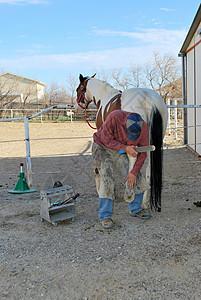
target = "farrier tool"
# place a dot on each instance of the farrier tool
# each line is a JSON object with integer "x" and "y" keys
{"x": 64, "y": 201}
{"x": 141, "y": 149}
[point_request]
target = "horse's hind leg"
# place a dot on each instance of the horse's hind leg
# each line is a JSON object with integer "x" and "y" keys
{"x": 145, "y": 202}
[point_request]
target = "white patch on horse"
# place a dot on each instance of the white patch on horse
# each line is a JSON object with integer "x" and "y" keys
{"x": 104, "y": 91}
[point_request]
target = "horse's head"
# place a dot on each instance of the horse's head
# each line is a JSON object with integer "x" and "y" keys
{"x": 82, "y": 100}
{"x": 102, "y": 94}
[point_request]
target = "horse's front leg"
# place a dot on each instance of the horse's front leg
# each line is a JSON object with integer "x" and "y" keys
{"x": 145, "y": 202}
{"x": 130, "y": 194}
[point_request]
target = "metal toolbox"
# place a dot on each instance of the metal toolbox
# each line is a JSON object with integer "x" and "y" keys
{"x": 54, "y": 206}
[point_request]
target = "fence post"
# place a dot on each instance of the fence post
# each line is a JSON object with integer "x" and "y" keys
{"x": 184, "y": 97}
{"x": 175, "y": 118}
{"x": 169, "y": 120}
{"x": 28, "y": 153}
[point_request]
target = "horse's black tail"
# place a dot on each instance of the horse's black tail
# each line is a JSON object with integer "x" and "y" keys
{"x": 156, "y": 139}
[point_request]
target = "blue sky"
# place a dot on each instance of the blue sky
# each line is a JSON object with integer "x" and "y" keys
{"x": 49, "y": 39}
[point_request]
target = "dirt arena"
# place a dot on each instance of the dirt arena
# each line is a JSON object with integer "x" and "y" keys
{"x": 154, "y": 259}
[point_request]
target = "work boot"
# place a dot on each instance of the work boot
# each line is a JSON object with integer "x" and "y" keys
{"x": 107, "y": 223}
{"x": 142, "y": 214}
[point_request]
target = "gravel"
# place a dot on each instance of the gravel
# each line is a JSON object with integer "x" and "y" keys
{"x": 154, "y": 259}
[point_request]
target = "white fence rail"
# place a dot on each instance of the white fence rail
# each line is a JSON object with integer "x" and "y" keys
{"x": 176, "y": 107}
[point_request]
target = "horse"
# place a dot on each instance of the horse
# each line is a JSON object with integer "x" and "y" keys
{"x": 143, "y": 101}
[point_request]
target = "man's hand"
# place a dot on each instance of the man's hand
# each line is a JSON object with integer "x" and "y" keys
{"x": 131, "y": 180}
{"x": 131, "y": 151}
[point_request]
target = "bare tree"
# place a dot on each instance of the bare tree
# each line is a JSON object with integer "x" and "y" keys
{"x": 65, "y": 97}
{"x": 51, "y": 94}
{"x": 136, "y": 78}
{"x": 162, "y": 71}
{"x": 12, "y": 95}
{"x": 102, "y": 74}
{"x": 8, "y": 92}
{"x": 121, "y": 79}
{"x": 72, "y": 85}
{"x": 28, "y": 93}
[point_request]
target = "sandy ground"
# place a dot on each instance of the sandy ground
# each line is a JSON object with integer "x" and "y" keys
{"x": 154, "y": 259}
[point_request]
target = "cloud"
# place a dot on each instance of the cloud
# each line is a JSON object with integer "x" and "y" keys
{"x": 16, "y": 2}
{"x": 22, "y": 36}
{"x": 167, "y": 9}
{"x": 150, "y": 36}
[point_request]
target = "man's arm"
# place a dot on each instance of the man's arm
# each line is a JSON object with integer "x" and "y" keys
{"x": 107, "y": 135}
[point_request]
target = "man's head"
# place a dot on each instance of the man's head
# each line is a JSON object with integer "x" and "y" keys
{"x": 134, "y": 126}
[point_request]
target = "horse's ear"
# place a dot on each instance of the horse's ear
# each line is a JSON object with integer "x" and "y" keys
{"x": 81, "y": 78}
{"x": 93, "y": 75}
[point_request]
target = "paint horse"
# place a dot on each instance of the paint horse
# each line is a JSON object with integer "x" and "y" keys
{"x": 146, "y": 103}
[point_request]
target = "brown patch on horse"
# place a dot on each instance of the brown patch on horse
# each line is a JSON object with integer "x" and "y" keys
{"x": 113, "y": 104}
{"x": 99, "y": 119}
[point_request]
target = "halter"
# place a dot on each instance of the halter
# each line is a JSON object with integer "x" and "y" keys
{"x": 79, "y": 99}
{"x": 85, "y": 108}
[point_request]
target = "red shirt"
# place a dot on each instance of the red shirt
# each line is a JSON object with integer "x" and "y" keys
{"x": 113, "y": 134}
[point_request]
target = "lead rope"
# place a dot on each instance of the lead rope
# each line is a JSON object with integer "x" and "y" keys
{"x": 86, "y": 116}
{"x": 88, "y": 121}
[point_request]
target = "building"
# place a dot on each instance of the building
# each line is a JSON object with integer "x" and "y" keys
{"x": 191, "y": 62}
{"x": 20, "y": 91}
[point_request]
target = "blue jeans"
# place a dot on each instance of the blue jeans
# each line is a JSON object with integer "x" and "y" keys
{"x": 105, "y": 206}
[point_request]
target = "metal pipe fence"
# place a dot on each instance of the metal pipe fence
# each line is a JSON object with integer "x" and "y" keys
{"x": 56, "y": 113}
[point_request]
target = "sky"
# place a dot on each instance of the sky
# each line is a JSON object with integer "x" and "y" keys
{"x": 48, "y": 40}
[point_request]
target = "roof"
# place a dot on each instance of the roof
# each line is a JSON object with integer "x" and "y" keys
{"x": 191, "y": 31}
{"x": 36, "y": 81}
